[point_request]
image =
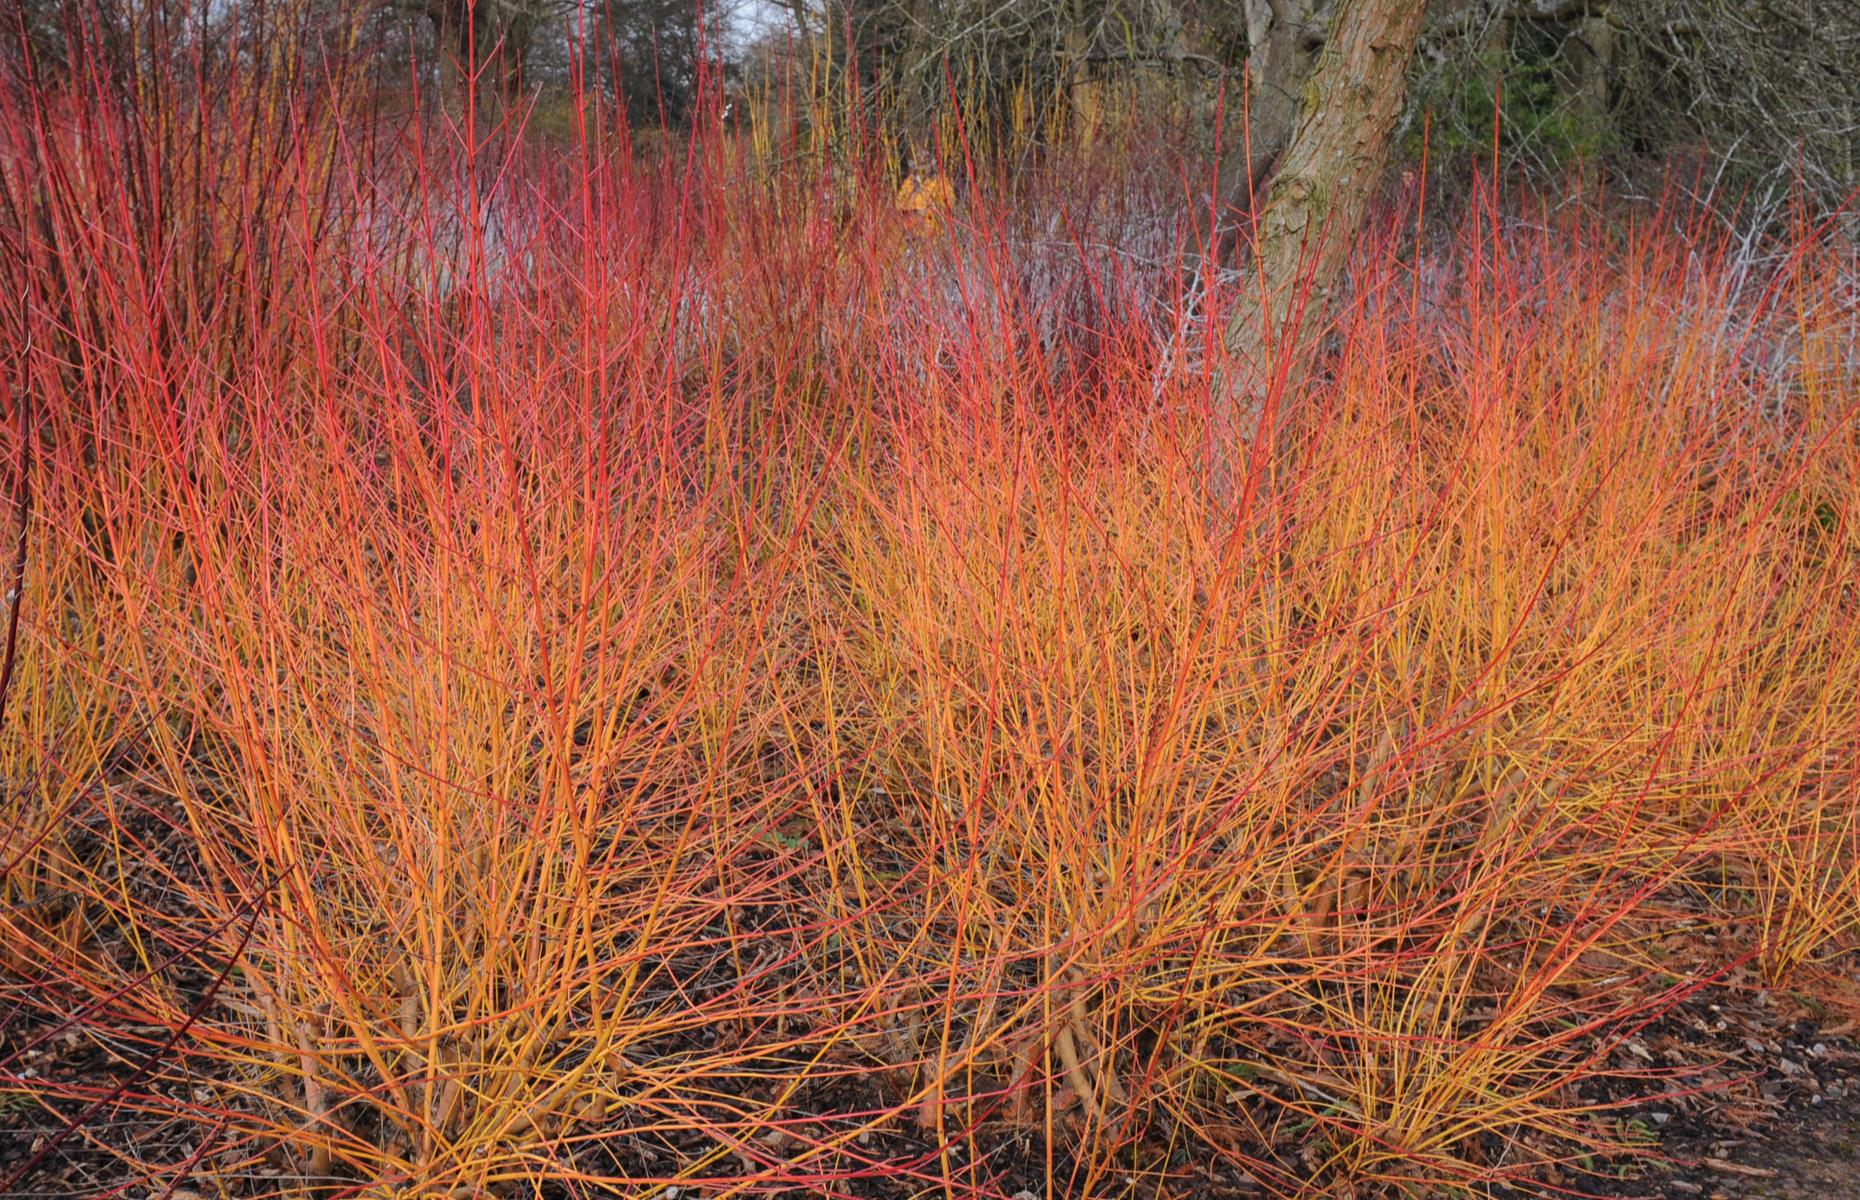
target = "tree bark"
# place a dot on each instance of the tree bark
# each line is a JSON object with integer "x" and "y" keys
{"x": 485, "y": 40}
{"x": 1080, "y": 89}
{"x": 1283, "y": 37}
{"x": 803, "y": 31}
{"x": 1314, "y": 200}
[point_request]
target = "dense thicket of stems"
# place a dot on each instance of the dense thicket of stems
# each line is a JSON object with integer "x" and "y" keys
{"x": 543, "y": 664}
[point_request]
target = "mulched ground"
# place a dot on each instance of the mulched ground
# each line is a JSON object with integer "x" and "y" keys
{"x": 1781, "y": 1116}
{"x": 1777, "y": 1117}
{"x": 1762, "y": 1101}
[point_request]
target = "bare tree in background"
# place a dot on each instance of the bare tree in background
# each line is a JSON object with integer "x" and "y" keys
{"x": 657, "y": 53}
{"x": 1325, "y": 82}
{"x": 1772, "y": 87}
{"x": 482, "y": 46}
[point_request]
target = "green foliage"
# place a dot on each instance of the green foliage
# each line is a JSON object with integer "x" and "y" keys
{"x": 1544, "y": 122}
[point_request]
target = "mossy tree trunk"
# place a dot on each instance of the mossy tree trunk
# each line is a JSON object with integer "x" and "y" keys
{"x": 1312, "y": 197}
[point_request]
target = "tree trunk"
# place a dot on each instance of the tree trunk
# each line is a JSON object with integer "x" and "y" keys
{"x": 804, "y": 35}
{"x": 482, "y": 40}
{"x": 1314, "y": 200}
{"x": 1283, "y": 37}
{"x": 1590, "y": 52}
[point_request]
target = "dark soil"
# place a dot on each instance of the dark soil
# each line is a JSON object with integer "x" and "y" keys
{"x": 1781, "y": 1120}
{"x": 1811, "y": 1155}
{"x": 1755, "y": 1095}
